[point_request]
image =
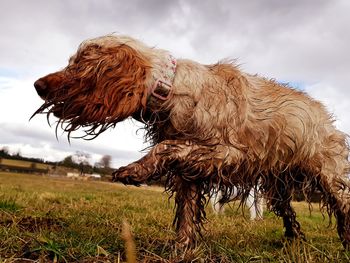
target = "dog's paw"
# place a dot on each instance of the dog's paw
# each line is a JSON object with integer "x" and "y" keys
{"x": 126, "y": 175}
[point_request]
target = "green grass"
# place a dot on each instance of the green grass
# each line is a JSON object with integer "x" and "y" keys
{"x": 23, "y": 164}
{"x": 61, "y": 220}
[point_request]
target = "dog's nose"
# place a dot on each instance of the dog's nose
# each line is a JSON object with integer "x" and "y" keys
{"x": 41, "y": 87}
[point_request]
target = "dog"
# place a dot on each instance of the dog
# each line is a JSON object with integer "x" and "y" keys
{"x": 208, "y": 125}
{"x": 254, "y": 201}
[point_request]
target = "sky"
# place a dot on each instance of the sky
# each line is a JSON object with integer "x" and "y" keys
{"x": 304, "y": 43}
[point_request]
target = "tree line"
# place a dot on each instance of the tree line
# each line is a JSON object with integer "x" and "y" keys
{"x": 79, "y": 161}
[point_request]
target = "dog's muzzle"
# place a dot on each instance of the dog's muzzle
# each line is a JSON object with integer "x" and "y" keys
{"x": 41, "y": 88}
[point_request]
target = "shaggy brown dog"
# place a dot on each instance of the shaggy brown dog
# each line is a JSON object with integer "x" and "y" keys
{"x": 208, "y": 124}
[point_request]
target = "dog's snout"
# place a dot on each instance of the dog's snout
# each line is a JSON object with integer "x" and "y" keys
{"x": 41, "y": 87}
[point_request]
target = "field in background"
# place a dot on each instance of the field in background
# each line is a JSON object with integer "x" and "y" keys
{"x": 63, "y": 220}
{"x": 24, "y": 164}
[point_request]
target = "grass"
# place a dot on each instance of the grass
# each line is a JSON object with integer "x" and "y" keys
{"x": 23, "y": 164}
{"x": 60, "y": 220}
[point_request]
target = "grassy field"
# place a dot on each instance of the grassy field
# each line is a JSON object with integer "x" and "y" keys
{"x": 59, "y": 220}
{"x": 23, "y": 164}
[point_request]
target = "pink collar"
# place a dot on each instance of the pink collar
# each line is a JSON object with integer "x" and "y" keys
{"x": 162, "y": 87}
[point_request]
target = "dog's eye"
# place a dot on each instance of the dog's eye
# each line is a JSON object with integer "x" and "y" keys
{"x": 130, "y": 94}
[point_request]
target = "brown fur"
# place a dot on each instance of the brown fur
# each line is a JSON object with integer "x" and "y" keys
{"x": 221, "y": 127}
{"x": 116, "y": 97}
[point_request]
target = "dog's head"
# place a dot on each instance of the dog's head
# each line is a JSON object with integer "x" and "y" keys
{"x": 104, "y": 83}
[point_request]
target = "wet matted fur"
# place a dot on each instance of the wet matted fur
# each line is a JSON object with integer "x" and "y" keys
{"x": 220, "y": 126}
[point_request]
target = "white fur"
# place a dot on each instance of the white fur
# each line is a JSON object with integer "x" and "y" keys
{"x": 254, "y": 202}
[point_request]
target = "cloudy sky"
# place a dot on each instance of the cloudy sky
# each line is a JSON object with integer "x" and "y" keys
{"x": 305, "y": 43}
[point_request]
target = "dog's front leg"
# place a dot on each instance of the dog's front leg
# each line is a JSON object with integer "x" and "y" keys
{"x": 149, "y": 166}
{"x": 190, "y": 203}
{"x": 152, "y": 164}
{"x": 158, "y": 160}
{"x": 138, "y": 172}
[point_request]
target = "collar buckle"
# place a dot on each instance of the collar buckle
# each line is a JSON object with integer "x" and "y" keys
{"x": 161, "y": 90}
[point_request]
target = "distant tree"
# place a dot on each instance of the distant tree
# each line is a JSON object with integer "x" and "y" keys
{"x": 97, "y": 165}
{"x": 82, "y": 158}
{"x": 4, "y": 152}
{"x": 69, "y": 162}
{"x": 80, "y": 161}
{"x": 106, "y": 161}
{"x": 18, "y": 154}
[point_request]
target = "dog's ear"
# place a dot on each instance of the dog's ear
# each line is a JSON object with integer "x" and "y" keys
{"x": 122, "y": 81}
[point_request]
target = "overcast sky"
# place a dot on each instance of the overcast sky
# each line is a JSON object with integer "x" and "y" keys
{"x": 305, "y": 43}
